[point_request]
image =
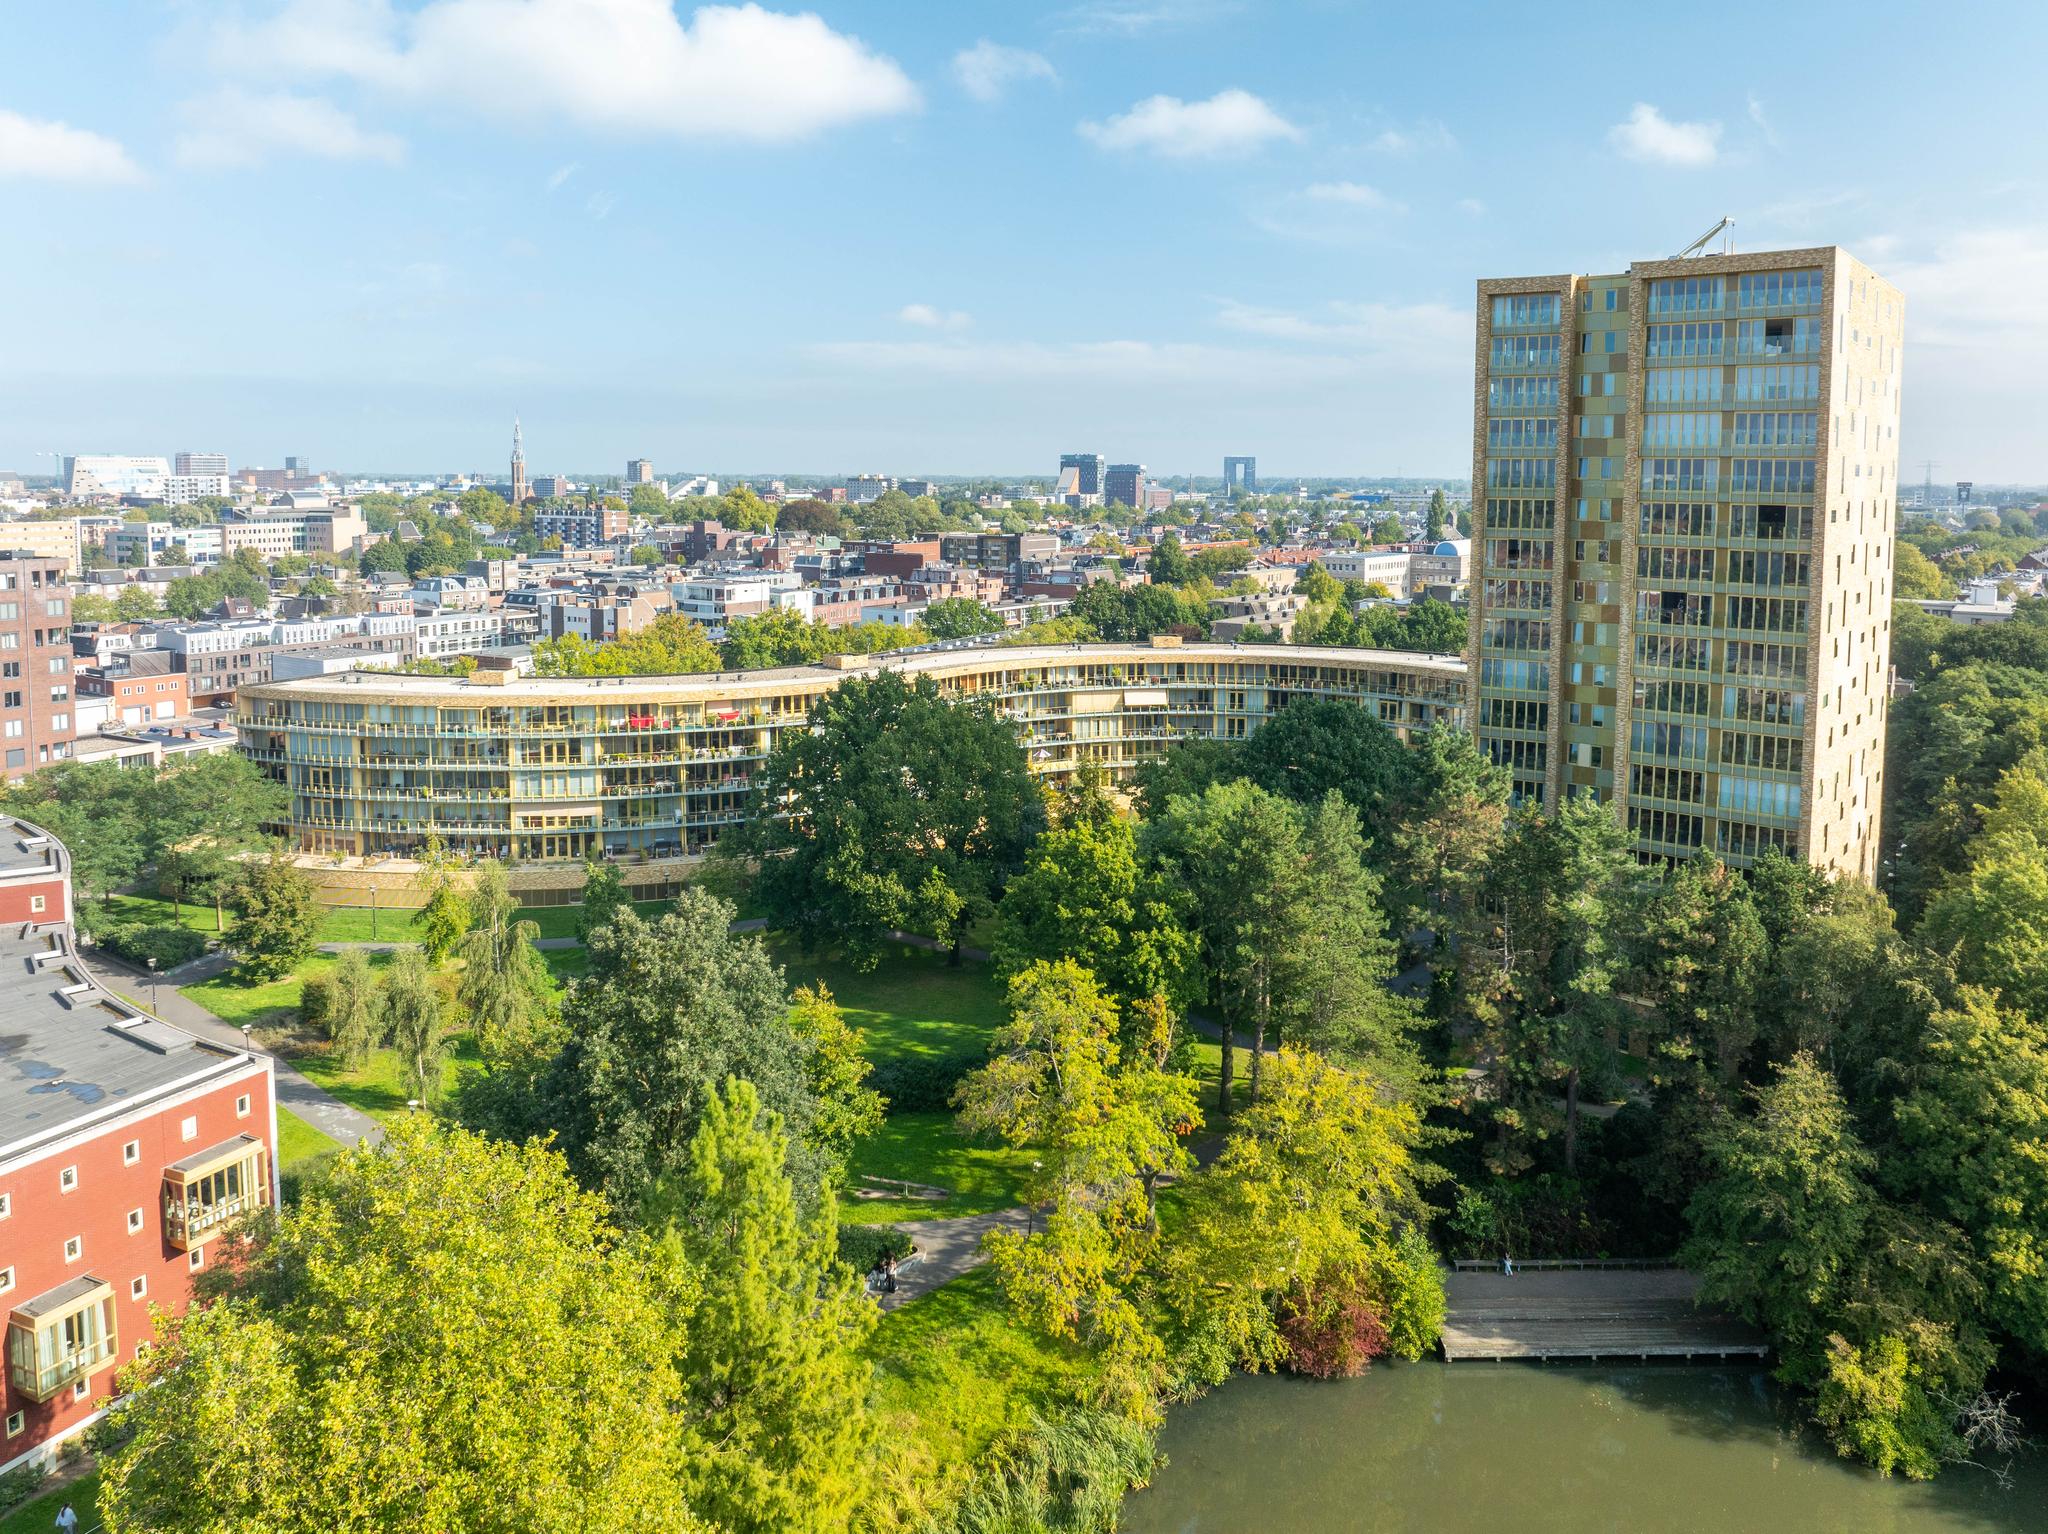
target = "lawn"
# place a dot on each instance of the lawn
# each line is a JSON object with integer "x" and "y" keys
{"x": 299, "y": 1142}
{"x": 912, "y": 1003}
{"x": 377, "y": 1088}
{"x": 40, "y": 1515}
{"x": 955, "y": 1371}
{"x": 925, "y": 1147}
{"x": 252, "y": 1004}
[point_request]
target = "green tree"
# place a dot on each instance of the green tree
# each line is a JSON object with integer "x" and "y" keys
{"x": 781, "y": 637}
{"x": 813, "y": 516}
{"x": 1701, "y": 956}
{"x": 443, "y": 916}
{"x": 1439, "y": 517}
{"x": 1914, "y": 575}
{"x": 136, "y": 604}
{"x": 1083, "y": 895}
{"x": 774, "y": 1379}
{"x": 1107, "y": 1125}
{"x": 409, "y": 1014}
{"x": 505, "y": 990}
{"x": 443, "y": 1334}
{"x": 1992, "y": 913}
{"x": 670, "y": 1009}
{"x": 836, "y": 1070}
{"x": 354, "y": 1025}
{"x": 1169, "y": 565}
{"x": 897, "y": 808}
{"x": 742, "y": 509}
{"x": 1389, "y": 530}
{"x": 277, "y": 918}
{"x": 1317, "y": 746}
{"x": 486, "y": 506}
{"x": 650, "y": 502}
{"x": 204, "y": 816}
{"x": 1318, "y": 1177}
{"x": 604, "y": 896}
{"x": 960, "y": 618}
{"x": 646, "y": 555}
{"x": 1453, "y": 817}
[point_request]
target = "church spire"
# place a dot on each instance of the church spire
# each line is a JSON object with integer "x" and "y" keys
{"x": 518, "y": 486}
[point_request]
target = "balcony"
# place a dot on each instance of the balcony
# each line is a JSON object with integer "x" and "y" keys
{"x": 208, "y": 1191}
{"x": 60, "y": 1337}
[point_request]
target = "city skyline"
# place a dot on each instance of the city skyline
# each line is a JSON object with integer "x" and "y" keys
{"x": 742, "y": 239}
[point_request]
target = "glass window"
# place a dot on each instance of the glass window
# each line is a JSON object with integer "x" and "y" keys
{"x": 1525, "y": 309}
{"x": 1693, "y": 338}
{"x": 1685, "y": 295}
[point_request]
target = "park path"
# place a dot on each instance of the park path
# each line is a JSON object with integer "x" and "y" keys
{"x": 947, "y": 1249}
{"x": 325, "y": 1112}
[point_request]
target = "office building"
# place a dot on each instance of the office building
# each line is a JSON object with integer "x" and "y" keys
{"x": 1240, "y": 476}
{"x": 128, "y": 1150}
{"x": 87, "y": 475}
{"x": 35, "y": 664}
{"x": 1124, "y": 485}
{"x": 548, "y": 772}
{"x": 166, "y": 543}
{"x": 201, "y": 463}
{"x": 639, "y": 471}
{"x": 1685, "y": 484}
{"x": 1086, "y": 472}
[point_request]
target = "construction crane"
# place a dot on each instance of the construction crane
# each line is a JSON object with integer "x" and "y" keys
{"x": 1727, "y": 222}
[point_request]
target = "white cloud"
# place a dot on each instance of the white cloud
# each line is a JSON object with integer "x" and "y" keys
{"x": 1761, "y": 120}
{"x": 1229, "y": 122}
{"x": 41, "y": 150}
{"x": 623, "y": 66}
{"x": 1129, "y": 18}
{"x": 1471, "y": 205}
{"x": 561, "y": 176}
{"x": 988, "y": 69}
{"x": 1428, "y": 134}
{"x": 1427, "y": 334}
{"x": 1650, "y": 136}
{"x": 929, "y": 317}
{"x": 1351, "y": 193}
{"x": 235, "y": 129}
{"x": 599, "y": 204}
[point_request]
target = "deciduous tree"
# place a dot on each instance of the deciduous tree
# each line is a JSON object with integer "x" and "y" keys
{"x": 277, "y": 917}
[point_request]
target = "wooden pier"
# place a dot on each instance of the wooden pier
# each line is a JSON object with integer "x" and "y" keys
{"x": 1587, "y": 1313}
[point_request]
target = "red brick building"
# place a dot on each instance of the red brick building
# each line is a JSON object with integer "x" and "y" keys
{"x": 128, "y": 1150}
{"x": 35, "y": 663}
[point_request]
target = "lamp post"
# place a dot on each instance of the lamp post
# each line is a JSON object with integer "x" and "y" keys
{"x": 152, "y": 985}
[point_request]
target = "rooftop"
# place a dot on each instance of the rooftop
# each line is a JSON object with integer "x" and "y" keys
{"x": 71, "y": 1052}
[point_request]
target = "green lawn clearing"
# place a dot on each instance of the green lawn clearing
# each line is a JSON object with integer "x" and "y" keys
{"x": 926, "y": 1148}
{"x": 39, "y": 1515}
{"x": 377, "y": 1088}
{"x": 299, "y": 1142}
{"x": 911, "y": 1003}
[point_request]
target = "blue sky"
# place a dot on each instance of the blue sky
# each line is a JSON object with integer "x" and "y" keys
{"x": 950, "y": 238}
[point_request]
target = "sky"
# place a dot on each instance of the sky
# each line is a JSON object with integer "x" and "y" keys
{"x": 955, "y": 238}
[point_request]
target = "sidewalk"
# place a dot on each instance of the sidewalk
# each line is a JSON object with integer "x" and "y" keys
{"x": 947, "y": 1249}
{"x": 331, "y": 1116}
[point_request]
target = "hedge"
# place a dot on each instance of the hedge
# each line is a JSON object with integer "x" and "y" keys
{"x": 923, "y": 1084}
{"x": 862, "y": 1247}
{"x": 139, "y": 942}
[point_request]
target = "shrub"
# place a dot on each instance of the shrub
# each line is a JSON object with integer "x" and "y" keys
{"x": 861, "y": 1247}
{"x": 923, "y": 1084}
{"x": 316, "y": 1000}
{"x": 1331, "y": 1328}
{"x": 139, "y": 942}
{"x": 1061, "y": 1475}
{"x": 18, "y": 1486}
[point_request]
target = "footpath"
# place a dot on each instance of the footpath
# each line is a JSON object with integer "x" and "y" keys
{"x": 946, "y": 1249}
{"x": 326, "y": 1113}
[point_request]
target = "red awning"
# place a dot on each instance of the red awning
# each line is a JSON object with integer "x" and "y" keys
{"x": 728, "y": 714}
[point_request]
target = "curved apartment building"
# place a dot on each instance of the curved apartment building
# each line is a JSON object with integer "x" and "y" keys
{"x": 547, "y": 772}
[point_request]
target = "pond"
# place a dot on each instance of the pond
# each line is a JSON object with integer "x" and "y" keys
{"x": 1529, "y": 1449}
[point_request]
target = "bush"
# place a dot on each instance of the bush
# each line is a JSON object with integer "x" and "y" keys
{"x": 1331, "y": 1328}
{"x": 1064, "y": 1475}
{"x": 924, "y": 1084}
{"x": 861, "y": 1247}
{"x": 139, "y": 942}
{"x": 17, "y": 1486}
{"x": 316, "y": 1001}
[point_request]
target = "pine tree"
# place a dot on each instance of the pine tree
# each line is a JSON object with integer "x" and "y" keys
{"x": 774, "y": 1376}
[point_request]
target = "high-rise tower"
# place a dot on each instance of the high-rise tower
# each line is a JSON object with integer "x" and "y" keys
{"x": 1685, "y": 481}
{"x": 519, "y": 490}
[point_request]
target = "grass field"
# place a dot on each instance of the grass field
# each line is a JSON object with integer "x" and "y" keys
{"x": 248, "y": 1004}
{"x": 299, "y": 1142}
{"x": 376, "y": 1089}
{"x": 925, "y": 1147}
{"x": 40, "y": 1515}
{"x": 954, "y": 1371}
{"x": 913, "y": 1003}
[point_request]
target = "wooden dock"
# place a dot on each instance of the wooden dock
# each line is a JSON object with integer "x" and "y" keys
{"x": 1588, "y": 1313}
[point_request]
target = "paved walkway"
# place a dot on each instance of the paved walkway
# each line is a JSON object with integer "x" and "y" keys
{"x": 326, "y": 1113}
{"x": 947, "y": 1249}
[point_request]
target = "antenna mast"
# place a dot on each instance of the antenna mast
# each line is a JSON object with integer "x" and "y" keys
{"x": 1695, "y": 248}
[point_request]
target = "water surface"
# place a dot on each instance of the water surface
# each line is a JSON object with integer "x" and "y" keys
{"x": 1527, "y": 1449}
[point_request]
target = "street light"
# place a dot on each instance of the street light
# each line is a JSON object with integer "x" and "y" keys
{"x": 152, "y": 985}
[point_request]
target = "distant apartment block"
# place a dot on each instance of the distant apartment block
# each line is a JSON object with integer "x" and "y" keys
{"x": 1240, "y": 476}
{"x": 200, "y": 463}
{"x": 1685, "y": 480}
{"x": 35, "y": 664}
{"x": 583, "y": 527}
{"x": 639, "y": 471}
{"x": 1124, "y": 485}
{"x": 1081, "y": 474}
